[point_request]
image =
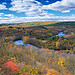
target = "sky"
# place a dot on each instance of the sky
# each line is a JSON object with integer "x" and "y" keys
{"x": 18, "y": 11}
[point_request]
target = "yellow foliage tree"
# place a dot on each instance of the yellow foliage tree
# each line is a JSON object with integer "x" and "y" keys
{"x": 28, "y": 70}
{"x": 57, "y": 44}
{"x": 52, "y": 72}
{"x": 61, "y": 61}
{"x": 25, "y": 39}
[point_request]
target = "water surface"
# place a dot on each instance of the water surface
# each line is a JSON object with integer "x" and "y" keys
{"x": 20, "y": 42}
{"x": 60, "y": 34}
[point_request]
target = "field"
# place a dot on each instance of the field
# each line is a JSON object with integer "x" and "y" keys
{"x": 56, "y": 55}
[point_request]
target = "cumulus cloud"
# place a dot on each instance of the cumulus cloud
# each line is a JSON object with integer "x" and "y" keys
{"x": 33, "y": 8}
{"x": 66, "y": 11}
{"x": 10, "y": 18}
{"x": 30, "y": 7}
{"x": 2, "y": 6}
{"x": 63, "y": 6}
{"x": 34, "y": 11}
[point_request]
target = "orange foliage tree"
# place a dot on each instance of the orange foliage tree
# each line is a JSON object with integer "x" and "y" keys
{"x": 52, "y": 72}
{"x": 69, "y": 74}
{"x": 11, "y": 67}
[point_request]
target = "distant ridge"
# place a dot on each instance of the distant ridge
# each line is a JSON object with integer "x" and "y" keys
{"x": 43, "y": 23}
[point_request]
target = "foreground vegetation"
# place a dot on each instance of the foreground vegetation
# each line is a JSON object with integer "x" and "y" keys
{"x": 50, "y": 59}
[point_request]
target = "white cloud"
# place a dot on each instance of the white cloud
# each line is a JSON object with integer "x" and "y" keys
{"x": 9, "y": 15}
{"x": 47, "y": 14}
{"x": 66, "y": 11}
{"x": 33, "y": 8}
{"x": 4, "y": 3}
{"x": 30, "y": 7}
{"x": 47, "y": 1}
{"x": 2, "y": 6}
{"x": 38, "y": 2}
{"x": 34, "y": 11}
{"x": 10, "y": 18}
{"x": 1, "y": 14}
{"x": 63, "y": 6}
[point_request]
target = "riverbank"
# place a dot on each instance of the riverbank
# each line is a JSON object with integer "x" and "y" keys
{"x": 20, "y": 42}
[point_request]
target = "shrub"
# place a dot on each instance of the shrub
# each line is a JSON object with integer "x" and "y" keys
{"x": 74, "y": 51}
{"x": 28, "y": 70}
{"x": 61, "y": 61}
{"x": 11, "y": 67}
{"x": 10, "y": 27}
{"x": 67, "y": 51}
{"x": 52, "y": 72}
{"x": 60, "y": 52}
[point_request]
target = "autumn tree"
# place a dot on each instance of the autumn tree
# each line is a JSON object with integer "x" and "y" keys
{"x": 57, "y": 44}
{"x": 11, "y": 68}
{"x": 52, "y": 72}
{"x": 25, "y": 39}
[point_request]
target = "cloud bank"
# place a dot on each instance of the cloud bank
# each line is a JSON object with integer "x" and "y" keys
{"x": 10, "y": 18}
{"x": 63, "y": 6}
{"x": 35, "y": 11}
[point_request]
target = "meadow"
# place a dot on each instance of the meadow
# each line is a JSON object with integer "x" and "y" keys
{"x": 56, "y": 55}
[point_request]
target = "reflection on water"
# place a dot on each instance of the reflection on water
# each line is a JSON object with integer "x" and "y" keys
{"x": 61, "y": 34}
{"x": 20, "y": 42}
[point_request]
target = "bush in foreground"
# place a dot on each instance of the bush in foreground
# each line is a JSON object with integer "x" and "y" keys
{"x": 11, "y": 67}
{"x": 28, "y": 70}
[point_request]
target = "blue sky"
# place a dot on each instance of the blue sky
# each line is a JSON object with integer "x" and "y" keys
{"x": 14, "y": 11}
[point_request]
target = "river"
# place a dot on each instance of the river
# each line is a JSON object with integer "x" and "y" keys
{"x": 20, "y": 42}
{"x": 60, "y": 34}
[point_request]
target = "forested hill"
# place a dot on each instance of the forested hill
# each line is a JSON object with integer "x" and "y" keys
{"x": 44, "y": 23}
